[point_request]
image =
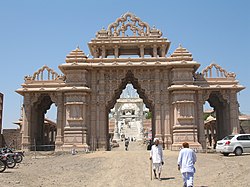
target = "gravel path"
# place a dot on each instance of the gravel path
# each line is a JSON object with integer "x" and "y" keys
{"x": 120, "y": 168}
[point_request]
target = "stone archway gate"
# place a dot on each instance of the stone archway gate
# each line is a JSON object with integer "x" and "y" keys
{"x": 89, "y": 87}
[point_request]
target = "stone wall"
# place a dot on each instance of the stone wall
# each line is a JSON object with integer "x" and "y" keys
{"x": 12, "y": 138}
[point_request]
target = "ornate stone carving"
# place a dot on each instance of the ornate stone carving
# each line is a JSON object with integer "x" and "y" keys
{"x": 220, "y": 72}
{"x": 169, "y": 86}
{"x": 39, "y": 75}
{"x": 129, "y": 21}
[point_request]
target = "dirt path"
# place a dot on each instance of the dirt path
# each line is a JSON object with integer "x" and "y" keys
{"x": 124, "y": 168}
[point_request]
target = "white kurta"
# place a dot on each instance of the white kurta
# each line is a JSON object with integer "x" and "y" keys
{"x": 156, "y": 154}
{"x": 186, "y": 160}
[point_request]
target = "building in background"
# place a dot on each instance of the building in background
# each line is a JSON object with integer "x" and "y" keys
{"x": 127, "y": 119}
{"x": 1, "y": 117}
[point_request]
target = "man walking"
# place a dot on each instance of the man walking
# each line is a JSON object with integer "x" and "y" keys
{"x": 186, "y": 161}
{"x": 156, "y": 155}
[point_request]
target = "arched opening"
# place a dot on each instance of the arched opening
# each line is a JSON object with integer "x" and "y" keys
{"x": 130, "y": 115}
{"x": 216, "y": 119}
{"x": 43, "y": 128}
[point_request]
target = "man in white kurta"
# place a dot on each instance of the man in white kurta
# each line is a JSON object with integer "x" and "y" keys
{"x": 156, "y": 155}
{"x": 186, "y": 161}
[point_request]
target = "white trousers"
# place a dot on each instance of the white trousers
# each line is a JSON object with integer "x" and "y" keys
{"x": 188, "y": 179}
{"x": 157, "y": 167}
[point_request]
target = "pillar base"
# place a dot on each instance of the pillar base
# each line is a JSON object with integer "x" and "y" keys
{"x": 101, "y": 146}
{"x": 26, "y": 147}
{"x": 167, "y": 141}
{"x": 192, "y": 145}
{"x": 77, "y": 147}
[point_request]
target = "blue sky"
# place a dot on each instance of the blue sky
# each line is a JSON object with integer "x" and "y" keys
{"x": 35, "y": 33}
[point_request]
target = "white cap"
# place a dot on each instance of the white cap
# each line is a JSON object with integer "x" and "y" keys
{"x": 156, "y": 139}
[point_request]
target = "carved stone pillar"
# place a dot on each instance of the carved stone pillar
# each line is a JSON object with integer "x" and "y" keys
{"x": 166, "y": 112}
{"x": 26, "y": 142}
{"x": 184, "y": 129}
{"x": 75, "y": 131}
{"x": 103, "y": 51}
{"x": 158, "y": 129}
{"x": 200, "y": 120}
{"x": 234, "y": 113}
{"x": 116, "y": 130}
{"x": 154, "y": 50}
{"x": 59, "y": 125}
{"x": 103, "y": 139}
{"x": 163, "y": 50}
{"x": 96, "y": 52}
{"x": 116, "y": 51}
{"x": 93, "y": 132}
{"x": 142, "y": 51}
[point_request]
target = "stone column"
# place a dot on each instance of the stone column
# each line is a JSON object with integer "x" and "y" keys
{"x": 158, "y": 129}
{"x": 116, "y": 51}
{"x": 154, "y": 50}
{"x": 200, "y": 120}
{"x": 102, "y": 113}
{"x": 234, "y": 113}
{"x": 75, "y": 130}
{"x": 142, "y": 51}
{"x": 93, "y": 112}
{"x": 185, "y": 128}
{"x": 163, "y": 50}
{"x": 26, "y": 123}
{"x": 116, "y": 130}
{"x": 96, "y": 52}
{"x": 166, "y": 111}
{"x": 59, "y": 120}
{"x": 103, "y": 51}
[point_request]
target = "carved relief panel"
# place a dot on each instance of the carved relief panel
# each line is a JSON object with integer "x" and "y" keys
{"x": 181, "y": 76}
{"x": 184, "y": 107}
{"x": 76, "y": 77}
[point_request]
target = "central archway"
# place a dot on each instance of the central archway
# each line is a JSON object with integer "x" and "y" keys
{"x": 130, "y": 79}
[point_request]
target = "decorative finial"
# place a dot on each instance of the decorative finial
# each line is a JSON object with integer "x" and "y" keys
{"x": 77, "y": 47}
{"x": 180, "y": 46}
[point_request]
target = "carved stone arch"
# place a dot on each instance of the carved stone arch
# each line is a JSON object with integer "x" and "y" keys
{"x": 35, "y": 98}
{"x": 220, "y": 72}
{"x": 223, "y": 95}
{"x": 38, "y": 97}
{"x": 205, "y": 95}
{"x": 129, "y": 78}
{"x": 54, "y": 97}
{"x": 38, "y": 75}
{"x": 219, "y": 96}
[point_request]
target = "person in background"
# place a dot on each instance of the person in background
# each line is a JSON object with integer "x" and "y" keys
{"x": 186, "y": 161}
{"x": 156, "y": 155}
{"x": 126, "y": 143}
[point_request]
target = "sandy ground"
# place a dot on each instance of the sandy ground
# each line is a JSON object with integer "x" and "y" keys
{"x": 124, "y": 168}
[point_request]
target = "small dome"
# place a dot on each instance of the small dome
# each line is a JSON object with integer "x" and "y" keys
{"x": 76, "y": 55}
{"x": 182, "y": 54}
